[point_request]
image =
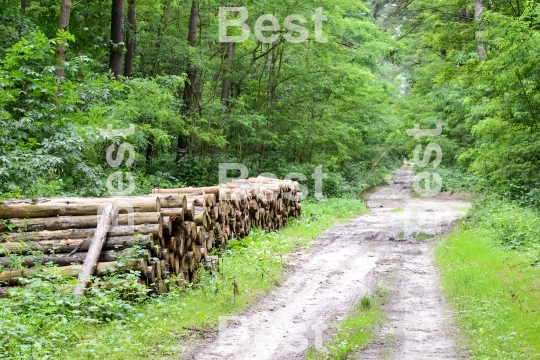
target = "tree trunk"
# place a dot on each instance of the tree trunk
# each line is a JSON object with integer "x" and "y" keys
{"x": 191, "y": 85}
{"x": 117, "y": 37}
{"x": 24, "y": 4}
{"x": 189, "y": 93}
{"x": 65, "y": 12}
{"x": 131, "y": 38}
{"x": 478, "y": 11}
{"x": 227, "y": 81}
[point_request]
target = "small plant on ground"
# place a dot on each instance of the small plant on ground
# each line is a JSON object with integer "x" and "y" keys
{"x": 355, "y": 332}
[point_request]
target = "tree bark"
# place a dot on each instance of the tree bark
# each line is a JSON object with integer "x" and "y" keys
{"x": 67, "y": 246}
{"x": 10, "y": 209}
{"x": 72, "y": 234}
{"x": 191, "y": 85}
{"x": 189, "y": 92}
{"x": 92, "y": 257}
{"x": 65, "y": 12}
{"x": 64, "y": 259}
{"x": 131, "y": 38}
{"x": 227, "y": 81}
{"x": 117, "y": 37}
{"x": 12, "y": 276}
{"x": 478, "y": 11}
{"x": 78, "y": 222}
{"x": 189, "y": 191}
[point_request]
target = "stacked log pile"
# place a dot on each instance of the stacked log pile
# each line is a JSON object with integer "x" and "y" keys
{"x": 172, "y": 230}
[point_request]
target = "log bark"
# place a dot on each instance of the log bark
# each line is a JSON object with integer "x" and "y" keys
{"x": 79, "y": 222}
{"x": 63, "y": 259}
{"x": 12, "y": 276}
{"x": 176, "y": 214}
{"x": 74, "y": 206}
{"x": 92, "y": 257}
{"x": 171, "y": 200}
{"x": 67, "y": 246}
{"x": 189, "y": 191}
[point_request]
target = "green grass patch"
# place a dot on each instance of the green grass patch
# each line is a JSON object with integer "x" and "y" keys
{"x": 421, "y": 236}
{"x": 494, "y": 290}
{"x": 45, "y": 323}
{"x": 355, "y": 332}
{"x": 396, "y": 210}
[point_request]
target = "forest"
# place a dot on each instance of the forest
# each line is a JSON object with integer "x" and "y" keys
{"x": 194, "y": 101}
{"x": 84, "y": 83}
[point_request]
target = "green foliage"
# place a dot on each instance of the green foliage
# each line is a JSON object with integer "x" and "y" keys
{"x": 514, "y": 226}
{"x": 39, "y": 318}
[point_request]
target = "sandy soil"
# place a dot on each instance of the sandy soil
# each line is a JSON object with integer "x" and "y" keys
{"x": 389, "y": 248}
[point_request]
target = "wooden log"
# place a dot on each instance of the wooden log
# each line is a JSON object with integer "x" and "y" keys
{"x": 122, "y": 230}
{"x": 150, "y": 274}
{"x": 74, "y": 206}
{"x": 78, "y": 222}
{"x": 92, "y": 257}
{"x": 176, "y": 214}
{"x": 201, "y": 218}
{"x": 67, "y": 246}
{"x": 203, "y": 200}
{"x": 188, "y": 191}
{"x": 4, "y": 292}
{"x": 212, "y": 262}
{"x": 189, "y": 212}
{"x": 171, "y": 201}
{"x": 12, "y": 276}
{"x": 167, "y": 225}
{"x": 210, "y": 240}
{"x": 159, "y": 287}
{"x": 63, "y": 259}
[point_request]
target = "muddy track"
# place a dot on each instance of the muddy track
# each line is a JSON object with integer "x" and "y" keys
{"x": 388, "y": 248}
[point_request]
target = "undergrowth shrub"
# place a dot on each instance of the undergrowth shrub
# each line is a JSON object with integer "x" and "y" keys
{"x": 514, "y": 226}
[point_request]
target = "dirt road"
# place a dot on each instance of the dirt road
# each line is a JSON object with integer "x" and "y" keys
{"x": 387, "y": 248}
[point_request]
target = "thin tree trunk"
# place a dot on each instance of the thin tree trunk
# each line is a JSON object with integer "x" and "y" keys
{"x": 478, "y": 11}
{"x": 131, "y": 39}
{"x": 117, "y": 37}
{"x": 227, "y": 81}
{"x": 65, "y": 12}
{"x": 161, "y": 30}
{"x": 190, "y": 88}
{"x": 24, "y": 4}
